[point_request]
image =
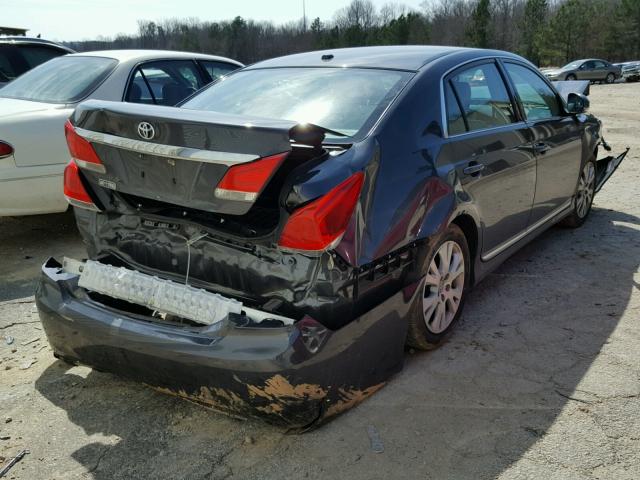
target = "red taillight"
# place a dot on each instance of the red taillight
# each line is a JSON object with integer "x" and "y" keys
{"x": 74, "y": 189}
{"x": 318, "y": 225}
{"x": 81, "y": 150}
{"x": 245, "y": 181}
{"x": 5, "y": 150}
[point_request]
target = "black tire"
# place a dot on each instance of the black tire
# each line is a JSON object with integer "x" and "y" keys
{"x": 579, "y": 215}
{"x": 570, "y": 77}
{"x": 419, "y": 336}
{"x": 610, "y": 78}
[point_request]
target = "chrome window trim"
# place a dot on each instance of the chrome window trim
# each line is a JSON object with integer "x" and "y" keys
{"x": 513, "y": 240}
{"x": 167, "y": 151}
{"x": 519, "y": 124}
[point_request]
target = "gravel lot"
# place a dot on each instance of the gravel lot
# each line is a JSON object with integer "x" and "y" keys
{"x": 541, "y": 379}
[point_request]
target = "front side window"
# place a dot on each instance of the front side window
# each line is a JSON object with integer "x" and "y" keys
{"x": 66, "y": 79}
{"x": 344, "y": 100}
{"x": 482, "y": 99}
{"x": 537, "y": 98}
{"x": 164, "y": 82}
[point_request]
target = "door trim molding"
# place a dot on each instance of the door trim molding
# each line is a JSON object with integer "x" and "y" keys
{"x": 516, "y": 238}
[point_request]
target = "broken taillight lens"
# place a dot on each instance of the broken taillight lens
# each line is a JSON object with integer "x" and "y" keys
{"x": 74, "y": 189}
{"x": 81, "y": 150}
{"x": 5, "y": 150}
{"x": 244, "y": 182}
{"x": 321, "y": 223}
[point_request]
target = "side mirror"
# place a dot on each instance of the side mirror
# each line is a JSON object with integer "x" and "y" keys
{"x": 577, "y": 103}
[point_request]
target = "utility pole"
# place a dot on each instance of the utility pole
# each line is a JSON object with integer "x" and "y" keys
{"x": 304, "y": 16}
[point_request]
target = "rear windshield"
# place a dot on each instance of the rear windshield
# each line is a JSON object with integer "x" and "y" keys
{"x": 345, "y": 100}
{"x": 61, "y": 80}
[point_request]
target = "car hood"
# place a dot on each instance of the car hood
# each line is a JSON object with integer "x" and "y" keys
{"x": 14, "y": 106}
{"x": 552, "y": 71}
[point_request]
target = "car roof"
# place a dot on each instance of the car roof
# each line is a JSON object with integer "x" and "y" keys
{"x": 33, "y": 41}
{"x": 142, "y": 55}
{"x": 589, "y": 59}
{"x": 397, "y": 57}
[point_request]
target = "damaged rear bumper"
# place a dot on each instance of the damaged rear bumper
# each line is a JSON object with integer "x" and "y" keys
{"x": 296, "y": 375}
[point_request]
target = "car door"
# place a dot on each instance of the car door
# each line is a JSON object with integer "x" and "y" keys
{"x": 164, "y": 82}
{"x": 557, "y": 141}
{"x": 490, "y": 146}
{"x": 586, "y": 71}
{"x": 600, "y": 70}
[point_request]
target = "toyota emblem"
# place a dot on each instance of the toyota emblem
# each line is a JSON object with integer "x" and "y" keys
{"x": 146, "y": 130}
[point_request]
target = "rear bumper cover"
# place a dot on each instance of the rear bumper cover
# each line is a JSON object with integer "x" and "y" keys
{"x": 297, "y": 376}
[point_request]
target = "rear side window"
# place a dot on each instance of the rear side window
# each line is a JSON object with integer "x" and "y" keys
{"x": 165, "y": 82}
{"x": 217, "y": 70}
{"x": 482, "y": 99}
{"x": 537, "y": 98}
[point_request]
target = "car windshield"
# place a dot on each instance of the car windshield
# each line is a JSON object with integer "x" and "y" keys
{"x": 344, "y": 100}
{"x": 572, "y": 65}
{"x": 61, "y": 80}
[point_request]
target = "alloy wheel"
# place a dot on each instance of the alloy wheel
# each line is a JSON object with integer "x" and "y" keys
{"x": 585, "y": 191}
{"x": 444, "y": 285}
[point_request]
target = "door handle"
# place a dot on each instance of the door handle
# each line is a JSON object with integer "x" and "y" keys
{"x": 474, "y": 168}
{"x": 541, "y": 147}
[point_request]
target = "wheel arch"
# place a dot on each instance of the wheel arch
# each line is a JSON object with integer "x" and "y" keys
{"x": 471, "y": 231}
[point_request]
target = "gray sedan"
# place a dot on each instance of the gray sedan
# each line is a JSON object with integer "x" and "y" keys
{"x": 35, "y": 107}
{"x": 592, "y": 69}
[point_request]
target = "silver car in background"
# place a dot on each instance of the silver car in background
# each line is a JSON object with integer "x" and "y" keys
{"x": 592, "y": 69}
{"x": 35, "y": 107}
{"x": 631, "y": 71}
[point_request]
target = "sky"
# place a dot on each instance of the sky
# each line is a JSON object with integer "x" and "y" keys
{"x": 66, "y": 20}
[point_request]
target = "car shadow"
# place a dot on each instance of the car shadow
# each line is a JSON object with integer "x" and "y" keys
{"x": 470, "y": 409}
{"x": 26, "y": 242}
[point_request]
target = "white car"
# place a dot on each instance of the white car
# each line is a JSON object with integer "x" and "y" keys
{"x": 35, "y": 106}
